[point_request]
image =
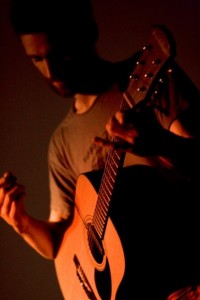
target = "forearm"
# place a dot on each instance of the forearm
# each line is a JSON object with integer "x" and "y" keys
{"x": 38, "y": 234}
{"x": 43, "y": 236}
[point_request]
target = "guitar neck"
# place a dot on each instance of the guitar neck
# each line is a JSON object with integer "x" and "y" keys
{"x": 154, "y": 57}
{"x": 114, "y": 162}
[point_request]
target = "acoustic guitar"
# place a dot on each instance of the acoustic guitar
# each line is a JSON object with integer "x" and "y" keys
{"x": 92, "y": 261}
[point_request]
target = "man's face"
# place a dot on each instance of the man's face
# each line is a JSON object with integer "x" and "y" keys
{"x": 63, "y": 72}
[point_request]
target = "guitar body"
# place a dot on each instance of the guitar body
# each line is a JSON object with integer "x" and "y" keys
{"x": 103, "y": 278}
{"x": 132, "y": 225}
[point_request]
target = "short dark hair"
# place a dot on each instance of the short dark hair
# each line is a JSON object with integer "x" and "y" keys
{"x": 73, "y": 17}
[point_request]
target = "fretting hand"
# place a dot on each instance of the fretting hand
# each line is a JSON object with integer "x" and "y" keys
{"x": 136, "y": 132}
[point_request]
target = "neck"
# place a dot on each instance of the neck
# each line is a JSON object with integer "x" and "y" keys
{"x": 83, "y": 103}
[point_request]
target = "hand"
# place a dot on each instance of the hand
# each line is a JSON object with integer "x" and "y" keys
{"x": 12, "y": 196}
{"x": 135, "y": 132}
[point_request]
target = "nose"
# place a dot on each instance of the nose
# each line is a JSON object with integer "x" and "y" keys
{"x": 51, "y": 67}
{"x": 46, "y": 69}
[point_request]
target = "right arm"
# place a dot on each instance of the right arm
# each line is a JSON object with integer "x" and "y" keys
{"x": 42, "y": 236}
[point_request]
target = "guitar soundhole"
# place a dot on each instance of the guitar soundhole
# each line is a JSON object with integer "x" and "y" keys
{"x": 95, "y": 244}
{"x": 103, "y": 282}
{"x": 103, "y": 277}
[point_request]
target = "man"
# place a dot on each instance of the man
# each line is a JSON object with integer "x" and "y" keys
{"x": 60, "y": 40}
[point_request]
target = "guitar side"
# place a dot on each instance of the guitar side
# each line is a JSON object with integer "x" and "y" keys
{"x": 79, "y": 275}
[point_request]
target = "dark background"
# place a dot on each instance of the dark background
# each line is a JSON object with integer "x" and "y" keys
{"x": 29, "y": 111}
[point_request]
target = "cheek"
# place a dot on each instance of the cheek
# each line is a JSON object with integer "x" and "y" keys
{"x": 42, "y": 68}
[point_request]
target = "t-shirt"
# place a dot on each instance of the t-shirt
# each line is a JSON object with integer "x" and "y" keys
{"x": 72, "y": 151}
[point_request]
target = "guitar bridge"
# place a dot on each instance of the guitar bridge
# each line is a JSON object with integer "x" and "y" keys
{"x": 83, "y": 280}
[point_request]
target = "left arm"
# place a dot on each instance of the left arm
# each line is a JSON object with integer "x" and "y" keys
{"x": 144, "y": 136}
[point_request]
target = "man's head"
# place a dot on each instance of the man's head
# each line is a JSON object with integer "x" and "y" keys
{"x": 74, "y": 18}
{"x": 58, "y": 36}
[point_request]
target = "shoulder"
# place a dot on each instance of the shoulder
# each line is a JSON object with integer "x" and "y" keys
{"x": 179, "y": 98}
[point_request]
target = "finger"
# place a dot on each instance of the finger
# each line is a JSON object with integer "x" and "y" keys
{"x": 8, "y": 180}
{"x": 16, "y": 192}
{"x": 125, "y": 117}
{"x": 121, "y": 146}
{"x": 102, "y": 142}
{"x": 2, "y": 182}
{"x": 11, "y": 201}
{"x": 120, "y": 117}
{"x": 2, "y": 196}
{"x": 119, "y": 127}
{"x": 125, "y": 133}
{"x": 6, "y": 206}
{"x": 113, "y": 127}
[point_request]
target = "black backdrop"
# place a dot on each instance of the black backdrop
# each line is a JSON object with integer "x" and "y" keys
{"x": 29, "y": 112}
